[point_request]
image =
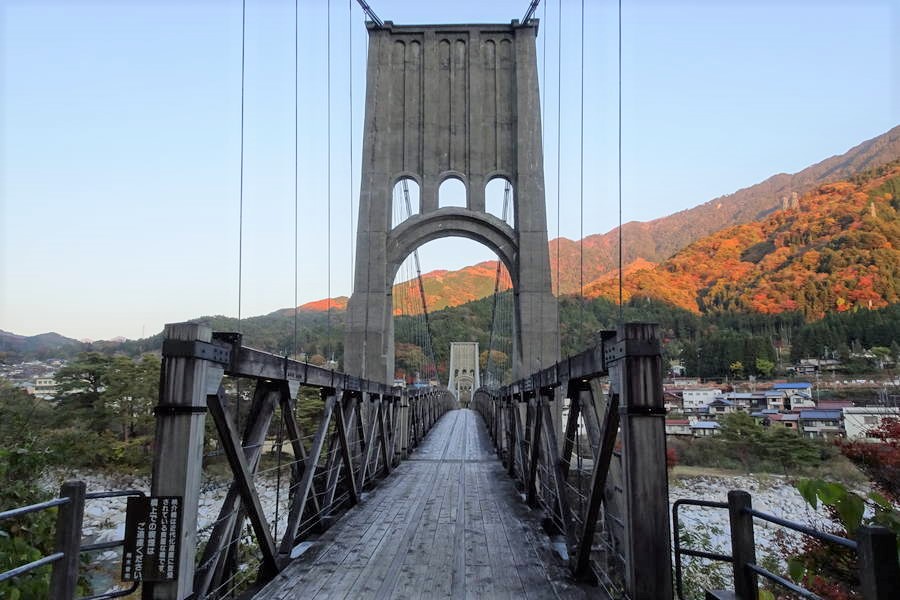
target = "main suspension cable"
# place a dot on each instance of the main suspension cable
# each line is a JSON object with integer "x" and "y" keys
{"x": 371, "y": 13}
{"x": 529, "y": 13}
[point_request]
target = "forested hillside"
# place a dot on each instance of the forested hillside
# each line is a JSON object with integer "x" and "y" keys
{"x": 837, "y": 250}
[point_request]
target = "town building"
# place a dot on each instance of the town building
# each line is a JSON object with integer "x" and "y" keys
{"x": 678, "y": 427}
{"x": 45, "y": 388}
{"x": 821, "y": 423}
{"x": 704, "y": 428}
{"x": 720, "y": 407}
{"x": 790, "y": 396}
{"x": 859, "y": 421}
{"x": 694, "y": 399}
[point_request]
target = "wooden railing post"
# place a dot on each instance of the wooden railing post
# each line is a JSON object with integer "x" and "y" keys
{"x": 879, "y": 573}
{"x": 535, "y": 451}
{"x": 512, "y": 441}
{"x": 403, "y": 419}
{"x": 64, "y": 578}
{"x": 178, "y": 442}
{"x": 638, "y": 366}
{"x": 743, "y": 544}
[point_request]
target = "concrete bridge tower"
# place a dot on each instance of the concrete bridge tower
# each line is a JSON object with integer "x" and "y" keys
{"x": 451, "y": 102}
{"x": 465, "y": 374}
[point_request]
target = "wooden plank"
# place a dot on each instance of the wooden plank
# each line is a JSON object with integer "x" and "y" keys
{"x": 513, "y": 438}
{"x": 589, "y": 415}
{"x": 256, "y": 364}
{"x": 244, "y": 481}
{"x": 301, "y": 494}
{"x": 559, "y": 487}
{"x": 334, "y": 465}
{"x": 599, "y": 476}
{"x": 571, "y": 429}
{"x": 535, "y": 445}
{"x": 295, "y": 436}
{"x": 401, "y": 540}
{"x": 345, "y": 451}
{"x": 370, "y": 443}
{"x": 385, "y": 444}
{"x": 361, "y": 435}
{"x": 520, "y": 454}
{"x": 214, "y": 556}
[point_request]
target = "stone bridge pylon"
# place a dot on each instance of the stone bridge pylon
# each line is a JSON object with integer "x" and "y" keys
{"x": 451, "y": 102}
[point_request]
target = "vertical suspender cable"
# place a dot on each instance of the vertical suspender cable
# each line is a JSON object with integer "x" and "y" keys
{"x": 364, "y": 369}
{"x": 621, "y": 276}
{"x": 296, "y": 169}
{"x": 328, "y": 345}
{"x": 543, "y": 148}
{"x": 507, "y": 189}
{"x": 241, "y": 193}
{"x": 544, "y": 77}
{"x": 581, "y": 184}
{"x": 350, "y": 81}
{"x": 288, "y": 405}
{"x": 407, "y": 202}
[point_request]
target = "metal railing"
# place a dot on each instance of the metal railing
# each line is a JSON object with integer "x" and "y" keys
{"x": 68, "y": 546}
{"x": 876, "y": 549}
{"x": 361, "y": 430}
{"x": 612, "y": 515}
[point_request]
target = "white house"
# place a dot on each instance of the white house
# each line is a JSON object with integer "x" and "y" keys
{"x": 45, "y": 388}
{"x": 694, "y": 399}
{"x": 859, "y": 420}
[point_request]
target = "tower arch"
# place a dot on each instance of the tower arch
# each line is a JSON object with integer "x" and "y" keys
{"x": 443, "y": 102}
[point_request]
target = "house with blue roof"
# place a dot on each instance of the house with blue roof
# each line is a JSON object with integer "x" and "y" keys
{"x": 720, "y": 407}
{"x": 821, "y": 423}
{"x": 704, "y": 428}
{"x": 790, "y": 396}
{"x": 801, "y": 385}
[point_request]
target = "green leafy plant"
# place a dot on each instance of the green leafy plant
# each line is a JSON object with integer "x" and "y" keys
{"x": 699, "y": 575}
{"x": 828, "y": 569}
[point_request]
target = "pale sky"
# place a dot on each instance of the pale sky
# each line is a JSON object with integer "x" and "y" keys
{"x": 120, "y": 136}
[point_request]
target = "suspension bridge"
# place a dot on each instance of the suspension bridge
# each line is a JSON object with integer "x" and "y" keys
{"x": 552, "y": 483}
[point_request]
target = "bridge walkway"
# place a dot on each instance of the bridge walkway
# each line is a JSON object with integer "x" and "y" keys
{"x": 447, "y": 523}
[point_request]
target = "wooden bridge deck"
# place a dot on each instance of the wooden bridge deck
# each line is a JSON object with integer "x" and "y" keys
{"x": 447, "y": 523}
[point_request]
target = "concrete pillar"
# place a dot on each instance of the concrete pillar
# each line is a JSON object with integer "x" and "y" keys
{"x": 444, "y": 99}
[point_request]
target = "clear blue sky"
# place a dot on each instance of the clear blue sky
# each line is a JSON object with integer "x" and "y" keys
{"x": 120, "y": 131}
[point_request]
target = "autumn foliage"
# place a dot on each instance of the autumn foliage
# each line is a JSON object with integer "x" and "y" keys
{"x": 880, "y": 461}
{"x": 838, "y": 250}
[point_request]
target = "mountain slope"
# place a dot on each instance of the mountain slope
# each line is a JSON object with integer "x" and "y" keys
{"x": 48, "y": 343}
{"x": 659, "y": 239}
{"x": 839, "y": 249}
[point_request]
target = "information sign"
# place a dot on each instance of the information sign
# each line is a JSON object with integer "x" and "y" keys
{"x": 152, "y": 538}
